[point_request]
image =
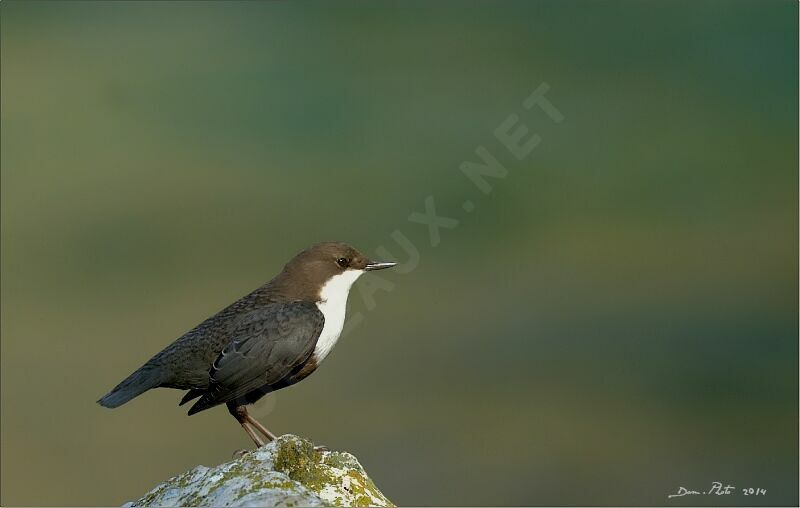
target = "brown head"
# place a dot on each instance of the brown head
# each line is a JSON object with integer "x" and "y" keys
{"x": 332, "y": 265}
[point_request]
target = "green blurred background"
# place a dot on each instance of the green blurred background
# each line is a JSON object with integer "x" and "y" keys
{"x": 619, "y": 317}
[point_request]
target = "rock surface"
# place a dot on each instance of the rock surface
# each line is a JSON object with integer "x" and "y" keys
{"x": 285, "y": 472}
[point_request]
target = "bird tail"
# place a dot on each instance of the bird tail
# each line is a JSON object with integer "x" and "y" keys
{"x": 205, "y": 402}
{"x": 191, "y": 395}
{"x": 145, "y": 378}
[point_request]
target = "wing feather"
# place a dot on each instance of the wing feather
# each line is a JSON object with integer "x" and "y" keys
{"x": 267, "y": 344}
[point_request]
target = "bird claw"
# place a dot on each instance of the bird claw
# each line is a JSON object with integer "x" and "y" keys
{"x": 321, "y": 448}
{"x": 238, "y": 454}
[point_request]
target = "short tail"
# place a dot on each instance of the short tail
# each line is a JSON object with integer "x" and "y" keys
{"x": 134, "y": 385}
{"x": 191, "y": 395}
{"x": 201, "y": 405}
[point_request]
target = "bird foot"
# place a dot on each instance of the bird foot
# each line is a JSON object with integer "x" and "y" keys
{"x": 241, "y": 452}
{"x": 321, "y": 448}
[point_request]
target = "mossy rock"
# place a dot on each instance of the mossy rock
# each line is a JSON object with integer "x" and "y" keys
{"x": 286, "y": 472}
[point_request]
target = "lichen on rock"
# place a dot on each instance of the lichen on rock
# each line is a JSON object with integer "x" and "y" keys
{"x": 285, "y": 472}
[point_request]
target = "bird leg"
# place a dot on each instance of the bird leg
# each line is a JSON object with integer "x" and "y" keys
{"x": 257, "y": 440}
{"x": 244, "y": 419}
{"x": 248, "y": 423}
{"x": 255, "y": 423}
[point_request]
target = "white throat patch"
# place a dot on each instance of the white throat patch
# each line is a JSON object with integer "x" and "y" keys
{"x": 333, "y": 304}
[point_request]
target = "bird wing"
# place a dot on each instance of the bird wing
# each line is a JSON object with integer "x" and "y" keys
{"x": 267, "y": 344}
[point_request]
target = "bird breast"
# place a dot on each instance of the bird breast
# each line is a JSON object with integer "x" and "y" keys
{"x": 333, "y": 305}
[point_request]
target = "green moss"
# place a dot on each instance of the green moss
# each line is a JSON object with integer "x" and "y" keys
{"x": 363, "y": 488}
{"x": 300, "y": 462}
{"x": 340, "y": 460}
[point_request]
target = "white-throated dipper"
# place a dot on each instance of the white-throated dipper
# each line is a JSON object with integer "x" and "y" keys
{"x": 269, "y": 339}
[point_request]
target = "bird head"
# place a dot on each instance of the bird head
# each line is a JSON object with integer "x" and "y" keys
{"x": 329, "y": 267}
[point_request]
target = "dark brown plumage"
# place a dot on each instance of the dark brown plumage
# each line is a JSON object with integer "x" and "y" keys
{"x": 263, "y": 342}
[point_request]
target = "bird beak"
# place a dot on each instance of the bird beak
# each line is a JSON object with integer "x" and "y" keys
{"x": 378, "y": 265}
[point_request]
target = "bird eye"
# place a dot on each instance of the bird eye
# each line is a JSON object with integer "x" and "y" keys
{"x": 343, "y": 262}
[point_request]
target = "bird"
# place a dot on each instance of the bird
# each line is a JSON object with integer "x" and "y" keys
{"x": 271, "y": 338}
